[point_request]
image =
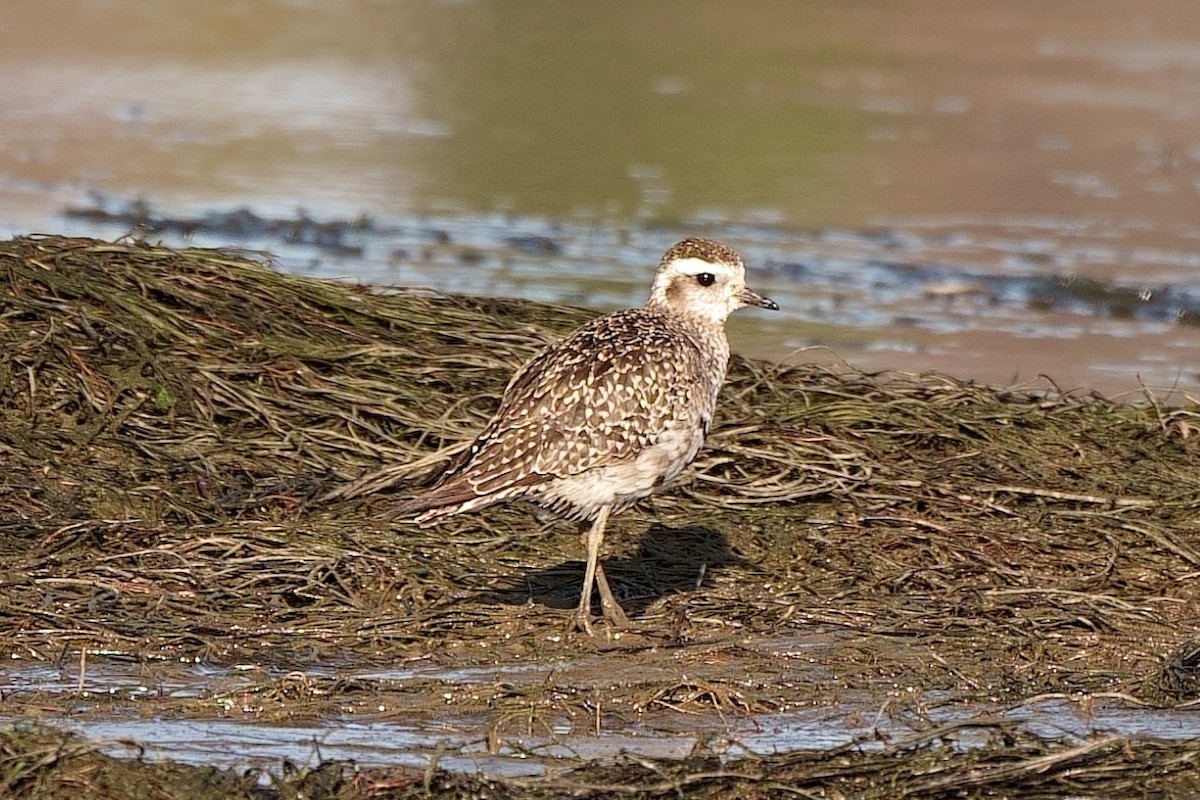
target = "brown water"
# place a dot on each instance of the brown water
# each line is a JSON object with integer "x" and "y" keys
{"x": 993, "y": 190}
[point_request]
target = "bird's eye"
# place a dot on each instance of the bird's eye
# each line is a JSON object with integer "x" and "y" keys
{"x": 706, "y": 279}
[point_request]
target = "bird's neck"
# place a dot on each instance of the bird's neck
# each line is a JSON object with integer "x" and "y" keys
{"x": 713, "y": 318}
{"x": 703, "y": 330}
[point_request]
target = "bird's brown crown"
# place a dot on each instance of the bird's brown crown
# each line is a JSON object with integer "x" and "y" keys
{"x": 704, "y": 249}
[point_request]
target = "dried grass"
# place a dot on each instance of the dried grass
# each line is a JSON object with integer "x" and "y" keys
{"x": 199, "y": 457}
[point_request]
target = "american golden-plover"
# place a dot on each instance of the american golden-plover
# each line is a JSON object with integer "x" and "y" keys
{"x": 591, "y": 425}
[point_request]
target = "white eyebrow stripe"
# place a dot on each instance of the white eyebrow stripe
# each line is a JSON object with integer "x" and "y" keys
{"x": 695, "y": 266}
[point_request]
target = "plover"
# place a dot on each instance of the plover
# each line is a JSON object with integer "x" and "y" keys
{"x": 591, "y": 425}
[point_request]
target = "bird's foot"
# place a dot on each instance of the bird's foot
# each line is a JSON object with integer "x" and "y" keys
{"x": 611, "y": 608}
{"x": 581, "y": 619}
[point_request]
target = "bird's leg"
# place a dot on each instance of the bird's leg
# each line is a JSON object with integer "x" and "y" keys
{"x": 608, "y": 604}
{"x": 595, "y": 535}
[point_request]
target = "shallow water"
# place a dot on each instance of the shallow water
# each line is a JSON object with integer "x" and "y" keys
{"x": 996, "y": 193}
{"x": 870, "y": 721}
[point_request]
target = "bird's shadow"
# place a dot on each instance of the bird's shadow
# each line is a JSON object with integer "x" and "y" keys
{"x": 669, "y": 561}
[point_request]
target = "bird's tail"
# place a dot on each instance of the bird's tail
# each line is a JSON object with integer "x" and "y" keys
{"x": 447, "y": 499}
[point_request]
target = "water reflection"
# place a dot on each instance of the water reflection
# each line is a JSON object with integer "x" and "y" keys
{"x": 973, "y": 145}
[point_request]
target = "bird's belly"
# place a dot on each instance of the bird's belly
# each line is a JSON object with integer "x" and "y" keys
{"x": 621, "y": 485}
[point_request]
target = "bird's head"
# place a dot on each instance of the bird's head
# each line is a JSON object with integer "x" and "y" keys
{"x": 704, "y": 278}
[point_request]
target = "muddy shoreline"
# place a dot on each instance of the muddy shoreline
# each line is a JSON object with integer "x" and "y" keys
{"x": 903, "y": 565}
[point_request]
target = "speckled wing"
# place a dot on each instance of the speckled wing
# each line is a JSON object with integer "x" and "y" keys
{"x": 600, "y": 397}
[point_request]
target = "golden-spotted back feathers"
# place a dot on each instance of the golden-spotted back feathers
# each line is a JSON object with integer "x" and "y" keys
{"x": 614, "y": 410}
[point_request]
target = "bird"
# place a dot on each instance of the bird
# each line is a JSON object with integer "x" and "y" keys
{"x": 608, "y": 415}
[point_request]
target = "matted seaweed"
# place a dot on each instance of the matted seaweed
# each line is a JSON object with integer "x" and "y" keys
{"x": 200, "y": 456}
